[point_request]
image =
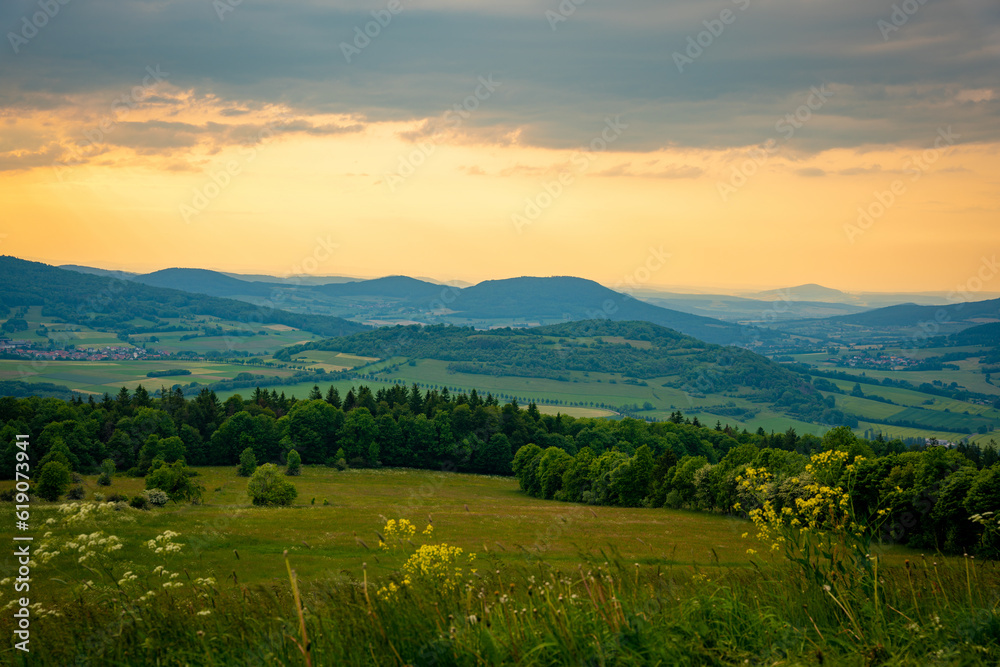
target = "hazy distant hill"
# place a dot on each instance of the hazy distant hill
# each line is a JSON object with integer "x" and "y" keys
{"x": 808, "y": 292}
{"x": 301, "y": 279}
{"x": 399, "y": 287}
{"x": 121, "y": 275}
{"x": 742, "y": 309}
{"x": 819, "y": 293}
{"x": 203, "y": 281}
{"x": 108, "y": 303}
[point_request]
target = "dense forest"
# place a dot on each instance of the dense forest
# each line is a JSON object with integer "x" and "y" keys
{"x": 931, "y": 491}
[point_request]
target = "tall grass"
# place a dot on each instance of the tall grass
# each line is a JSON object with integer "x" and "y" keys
{"x": 603, "y": 612}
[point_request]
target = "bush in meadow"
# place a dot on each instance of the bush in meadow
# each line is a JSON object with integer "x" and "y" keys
{"x": 268, "y": 487}
{"x": 294, "y": 464}
{"x": 175, "y": 479}
{"x": 107, "y": 472}
{"x": 156, "y": 497}
{"x": 53, "y": 480}
{"x": 248, "y": 463}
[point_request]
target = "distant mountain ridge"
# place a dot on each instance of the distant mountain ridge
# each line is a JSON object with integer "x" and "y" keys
{"x": 204, "y": 281}
{"x": 104, "y": 302}
{"x": 112, "y": 273}
{"x": 525, "y": 300}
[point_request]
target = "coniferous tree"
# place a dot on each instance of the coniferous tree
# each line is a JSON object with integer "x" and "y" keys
{"x": 333, "y": 397}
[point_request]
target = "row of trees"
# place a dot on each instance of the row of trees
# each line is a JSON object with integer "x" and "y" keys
{"x": 394, "y": 426}
{"x": 676, "y": 463}
{"x": 931, "y": 494}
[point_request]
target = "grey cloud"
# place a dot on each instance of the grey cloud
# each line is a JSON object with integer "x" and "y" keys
{"x": 558, "y": 86}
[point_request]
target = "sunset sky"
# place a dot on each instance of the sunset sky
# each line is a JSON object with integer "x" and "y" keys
{"x": 474, "y": 140}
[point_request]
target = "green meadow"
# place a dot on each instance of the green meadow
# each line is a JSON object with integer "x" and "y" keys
{"x": 478, "y": 513}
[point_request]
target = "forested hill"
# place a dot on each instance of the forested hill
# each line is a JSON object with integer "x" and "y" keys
{"x": 987, "y": 335}
{"x": 202, "y": 281}
{"x": 567, "y": 297}
{"x": 908, "y": 314}
{"x": 638, "y": 350}
{"x": 108, "y": 303}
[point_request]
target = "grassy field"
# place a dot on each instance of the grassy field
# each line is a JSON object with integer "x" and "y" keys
{"x": 97, "y": 377}
{"x": 327, "y": 539}
{"x": 939, "y": 417}
{"x": 478, "y": 513}
{"x": 550, "y": 583}
{"x": 267, "y": 338}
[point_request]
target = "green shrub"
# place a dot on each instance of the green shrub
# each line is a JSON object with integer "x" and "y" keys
{"x": 139, "y": 502}
{"x": 53, "y": 480}
{"x": 248, "y": 463}
{"x": 107, "y": 472}
{"x": 268, "y": 487}
{"x": 175, "y": 480}
{"x": 294, "y": 464}
{"x": 76, "y": 493}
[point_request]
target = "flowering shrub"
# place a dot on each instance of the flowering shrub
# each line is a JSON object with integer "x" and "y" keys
{"x": 817, "y": 528}
{"x": 156, "y": 497}
{"x": 439, "y": 564}
{"x": 396, "y": 532}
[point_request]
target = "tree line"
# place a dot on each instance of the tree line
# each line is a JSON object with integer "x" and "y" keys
{"x": 678, "y": 463}
{"x": 933, "y": 494}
